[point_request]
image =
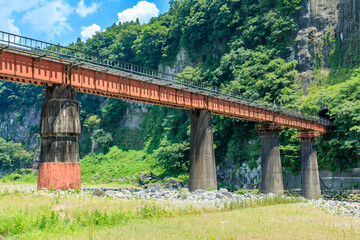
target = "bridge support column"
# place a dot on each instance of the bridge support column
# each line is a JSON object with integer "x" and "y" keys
{"x": 59, "y": 166}
{"x": 271, "y": 173}
{"x": 310, "y": 181}
{"x": 202, "y": 157}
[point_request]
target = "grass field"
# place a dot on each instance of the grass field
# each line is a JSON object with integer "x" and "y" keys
{"x": 32, "y": 216}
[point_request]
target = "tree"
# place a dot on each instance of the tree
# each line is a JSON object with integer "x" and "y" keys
{"x": 14, "y": 156}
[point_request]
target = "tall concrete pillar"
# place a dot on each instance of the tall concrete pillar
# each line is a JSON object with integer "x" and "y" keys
{"x": 59, "y": 166}
{"x": 202, "y": 157}
{"x": 271, "y": 173}
{"x": 310, "y": 181}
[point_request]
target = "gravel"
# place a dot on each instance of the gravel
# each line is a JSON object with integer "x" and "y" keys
{"x": 337, "y": 207}
{"x": 182, "y": 198}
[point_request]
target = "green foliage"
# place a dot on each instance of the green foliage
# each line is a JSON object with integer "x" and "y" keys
{"x": 255, "y": 192}
{"x": 150, "y": 46}
{"x": 173, "y": 157}
{"x": 258, "y": 77}
{"x": 112, "y": 112}
{"x": 102, "y": 138}
{"x": 289, "y": 7}
{"x": 231, "y": 138}
{"x": 92, "y": 122}
{"x": 21, "y": 176}
{"x": 14, "y": 95}
{"x": 13, "y": 156}
{"x": 241, "y": 191}
{"x": 340, "y": 149}
{"x": 183, "y": 178}
{"x": 354, "y": 185}
{"x": 115, "y": 164}
{"x": 290, "y": 150}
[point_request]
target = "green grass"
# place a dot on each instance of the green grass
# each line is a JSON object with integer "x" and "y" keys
{"x": 31, "y": 216}
{"x": 20, "y": 177}
{"x": 102, "y": 169}
{"x": 110, "y": 167}
{"x": 291, "y": 221}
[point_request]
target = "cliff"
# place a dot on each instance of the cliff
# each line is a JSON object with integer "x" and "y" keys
{"x": 325, "y": 25}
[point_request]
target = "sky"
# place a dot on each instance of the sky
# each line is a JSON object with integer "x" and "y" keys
{"x": 63, "y": 21}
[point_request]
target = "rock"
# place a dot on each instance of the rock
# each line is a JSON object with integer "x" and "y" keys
{"x": 126, "y": 192}
{"x": 118, "y": 195}
{"x": 223, "y": 190}
{"x": 98, "y": 192}
{"x": 173, "y": 183}
{"x": 199, "y": 191}
{"x": 145, "y": 177}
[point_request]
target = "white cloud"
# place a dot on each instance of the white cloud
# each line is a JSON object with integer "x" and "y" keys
{"x": 49, "y": 17}
{"x": 83, "y": 10}
{"x": 144, "y": 11}
{"x": 12, "y": 27}
{"x": 7, "y": 23}
{"x": 88, "y": 32}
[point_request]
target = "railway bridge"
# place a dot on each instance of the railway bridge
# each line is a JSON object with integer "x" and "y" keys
{"x": 65, "y": 71}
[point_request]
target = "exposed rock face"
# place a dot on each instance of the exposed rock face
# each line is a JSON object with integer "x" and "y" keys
{"x": 134, "y": 116}
{"x": 22, "y": 126}
{"x": 182, "y": 61}
{"x": 239, "y": 176}
{"x": 316, "y": 19}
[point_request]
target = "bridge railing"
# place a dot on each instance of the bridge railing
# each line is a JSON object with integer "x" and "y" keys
{"x": 49, "y": 49}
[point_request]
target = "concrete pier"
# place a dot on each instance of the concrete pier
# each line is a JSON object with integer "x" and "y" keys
{"x": 202, "y": 157}
{"x": 271, "y": 172}
{"x": 60, "y": 128}
{"x": 310, "y": 181}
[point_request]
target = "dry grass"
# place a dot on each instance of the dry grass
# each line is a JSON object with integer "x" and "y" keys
{"x": 288, "y": 221}
{"x": 293, "y": 221}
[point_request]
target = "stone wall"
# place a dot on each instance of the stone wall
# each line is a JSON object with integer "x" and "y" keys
{"x": 245, "y": 177}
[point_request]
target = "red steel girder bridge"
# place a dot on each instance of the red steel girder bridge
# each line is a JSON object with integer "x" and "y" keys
{"x": 31, "y": 61}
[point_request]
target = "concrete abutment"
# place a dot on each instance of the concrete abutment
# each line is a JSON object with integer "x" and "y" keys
{"x": 202, "y": 172}
{"x": 60, "y": 128}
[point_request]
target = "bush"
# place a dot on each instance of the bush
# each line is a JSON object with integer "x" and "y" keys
{"x": 255, "y": 192}
{"x": 241, "y": 191}
{"x": 13, "y": 156}
{"x": 173, "y": 157}
{"x": 21, "y": 175}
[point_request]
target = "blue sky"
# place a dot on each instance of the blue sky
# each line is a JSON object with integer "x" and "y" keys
{"x": 63, "y": 21}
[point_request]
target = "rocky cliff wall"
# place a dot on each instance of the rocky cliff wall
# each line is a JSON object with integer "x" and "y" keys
{"x": 321, "y": 20}
{"x": 22, "y": 126}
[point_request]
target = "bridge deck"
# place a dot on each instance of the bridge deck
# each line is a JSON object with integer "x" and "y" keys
{"x": 26, "y": 64}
